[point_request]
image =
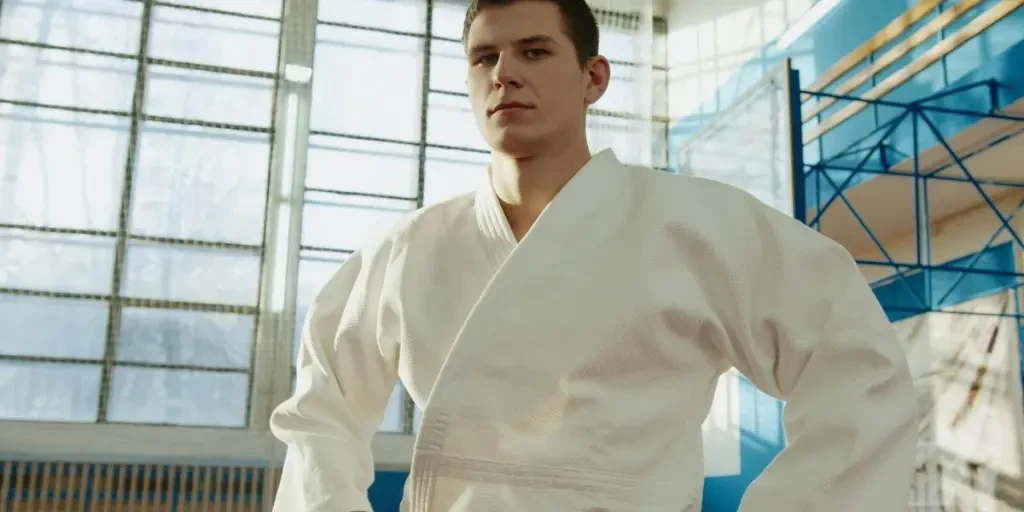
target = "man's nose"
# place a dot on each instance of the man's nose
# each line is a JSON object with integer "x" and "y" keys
{"x": 506, "y": 73}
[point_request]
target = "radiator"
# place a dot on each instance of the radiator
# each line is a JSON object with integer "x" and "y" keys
{"x": 85, "y": 487}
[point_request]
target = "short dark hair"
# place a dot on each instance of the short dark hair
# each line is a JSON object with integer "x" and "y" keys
{"x": 577, "y": 19}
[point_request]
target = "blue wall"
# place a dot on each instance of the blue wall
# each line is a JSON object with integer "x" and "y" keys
{"x": 920, "y": 291}
{"x": 386, "y": 491}
{"x": 995, "y": 54}
{"x": 761, "y": 439}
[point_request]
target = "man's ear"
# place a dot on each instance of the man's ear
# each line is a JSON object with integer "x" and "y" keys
{"x": 599, "y": 73}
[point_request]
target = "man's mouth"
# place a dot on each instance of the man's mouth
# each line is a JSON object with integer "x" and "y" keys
{"x": 508, "y": 105}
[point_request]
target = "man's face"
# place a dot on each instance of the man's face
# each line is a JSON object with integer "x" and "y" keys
{"x": 525, "y": 83}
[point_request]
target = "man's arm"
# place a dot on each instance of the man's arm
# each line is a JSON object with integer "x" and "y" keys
{"x": 344, "y": 380}
{"x": 811, "y": 332}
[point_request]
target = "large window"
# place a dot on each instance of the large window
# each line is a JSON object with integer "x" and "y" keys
{"x": 135, "y": 143}
{"x": 142, "y": 154}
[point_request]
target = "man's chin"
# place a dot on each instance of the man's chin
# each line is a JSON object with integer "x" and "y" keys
{"x": 518, "y": 142}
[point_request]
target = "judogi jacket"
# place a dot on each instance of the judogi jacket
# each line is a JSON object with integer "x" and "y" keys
{"x": 571, "y": 371}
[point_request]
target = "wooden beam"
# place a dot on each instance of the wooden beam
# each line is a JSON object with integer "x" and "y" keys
{"x": 931, "y": 56}
{"x": 894, "y": 54}
{"x": 894, "y": 29}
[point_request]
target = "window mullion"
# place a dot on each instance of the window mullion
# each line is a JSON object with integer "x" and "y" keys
{"x": 272, "y": 372}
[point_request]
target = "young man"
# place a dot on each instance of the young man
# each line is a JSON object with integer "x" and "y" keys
{"x": 564, "y": 327}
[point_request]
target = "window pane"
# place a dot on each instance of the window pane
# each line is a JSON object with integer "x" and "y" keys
{"x": 400, "y": 15}
{"x": 659, "y": 54}
{"x": 200, "y": 183}
{"x": 349, "y": 222}
{"x": 367, "y": 167}
{"x": 315, "y": 269}
{"x": 214, "y": 39}
{"x": 621, "y": 135}
{"x": 448, "y": 18}
{"x": 204, "y": 96}
{"x": 44, "y": 327}
{"x": 191, "y": 274}
{"x": 621, "y": 95}
{"x": 450, "y": 173}
{"x": 659, "y": 101}
{"x": 76, "y": 187}
{"x": 660, "y": 145}
{"x": 57, "y": 77}
{"x": 384, "y": 104}
{"x": 448, "y": 67}
{"x": 620, "y": 45}
{"x": 395, "y": 411}
{"x": 314, "y": 272}
{"x": 265, "y": 8}
{"x": 178, "y": 397}
{"x": 451, "y": 123}
{"x": 55, "y": 263}
{"x": 89, "y": 24}
{"x": 195, "y": 338}
{"x": 49, "y": 391}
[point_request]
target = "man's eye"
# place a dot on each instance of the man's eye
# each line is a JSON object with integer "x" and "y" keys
{"x": 535, "y": 53}
{"x": 487, "y": 59}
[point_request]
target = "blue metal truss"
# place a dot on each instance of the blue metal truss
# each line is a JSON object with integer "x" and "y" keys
{"x": 824, "y": 189}
{"x": 823, "y": 184}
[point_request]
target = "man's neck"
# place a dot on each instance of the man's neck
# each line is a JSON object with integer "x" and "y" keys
{"x": 525, "y": 186}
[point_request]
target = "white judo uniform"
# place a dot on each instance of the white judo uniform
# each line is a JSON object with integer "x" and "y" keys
{"x": 571, "y": 371}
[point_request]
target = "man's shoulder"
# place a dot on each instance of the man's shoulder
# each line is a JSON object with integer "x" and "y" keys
{"x": 433, "y": 216}
{"x": 433, "y": 219}
{"x": 724, "y": 213}
{"x": 694, "y": 186}
{"x": 687, "y": 196}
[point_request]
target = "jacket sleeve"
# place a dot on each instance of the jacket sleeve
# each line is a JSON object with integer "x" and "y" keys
{"x": 811, "y": 332}
{"x": 345, "y": 377}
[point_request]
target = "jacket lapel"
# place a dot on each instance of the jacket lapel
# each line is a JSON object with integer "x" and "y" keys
{"x": 568, "y": 228}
